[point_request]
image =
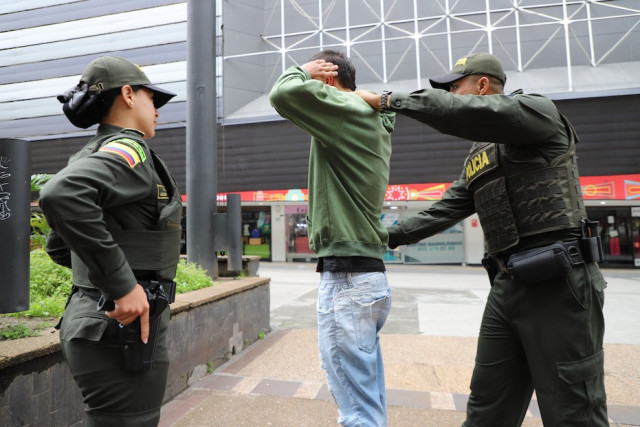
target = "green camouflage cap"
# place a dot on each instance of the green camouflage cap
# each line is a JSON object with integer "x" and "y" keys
{"x": 112, "y": 72}
{"x": 476, "y": 63}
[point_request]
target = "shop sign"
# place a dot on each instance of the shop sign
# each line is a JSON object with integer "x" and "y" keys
{"x": 443, "y": 248}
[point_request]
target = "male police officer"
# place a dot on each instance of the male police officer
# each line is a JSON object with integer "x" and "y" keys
{"x": 542, "y": 328}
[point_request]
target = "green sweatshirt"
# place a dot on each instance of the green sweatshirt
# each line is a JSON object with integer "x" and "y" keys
{"x": 348, "y": 163}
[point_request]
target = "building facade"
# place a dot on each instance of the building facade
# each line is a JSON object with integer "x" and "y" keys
{"x": 584, "y": 54}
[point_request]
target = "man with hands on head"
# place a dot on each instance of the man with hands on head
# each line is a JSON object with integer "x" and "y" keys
{"x": 542, "y": 327}
{"x": 348, "y": 178}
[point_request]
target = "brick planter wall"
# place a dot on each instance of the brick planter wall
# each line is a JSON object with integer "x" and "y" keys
{"x": 207, "y": 327}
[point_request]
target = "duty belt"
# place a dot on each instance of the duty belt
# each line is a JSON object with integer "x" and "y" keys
{"x": 572, "y": 248}
{"x": 96, "y": 294}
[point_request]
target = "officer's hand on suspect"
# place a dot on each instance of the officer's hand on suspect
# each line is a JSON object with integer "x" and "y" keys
{"x": 321, "y": 70}
{"x": 131, "y": 306}
{"x": 371, "y": 98}
{"x": 394, "y": 237}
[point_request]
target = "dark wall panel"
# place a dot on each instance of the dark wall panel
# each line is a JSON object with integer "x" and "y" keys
{"x": 274, "y": 155}
{"x": 609, "y": 132}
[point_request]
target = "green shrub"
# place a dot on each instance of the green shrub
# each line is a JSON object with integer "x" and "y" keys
{"x": 191, "y": 276}
{"x": 39, "y": 230}
{"x": 13, "y": 332}
{"x": 51, "y": 284}
{"x": 39, "y": 226}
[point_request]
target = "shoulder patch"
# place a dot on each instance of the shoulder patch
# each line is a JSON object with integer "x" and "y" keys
{"x": 130, "y": 150}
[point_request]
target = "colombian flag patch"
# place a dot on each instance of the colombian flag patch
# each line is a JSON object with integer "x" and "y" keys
{"x": 128, "y": 153}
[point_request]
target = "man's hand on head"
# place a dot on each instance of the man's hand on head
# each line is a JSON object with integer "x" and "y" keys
{"x": 320, "y": 69}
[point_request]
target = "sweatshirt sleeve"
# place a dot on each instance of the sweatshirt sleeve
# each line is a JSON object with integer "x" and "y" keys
{"x": 74, "y": 201}
{"x": 313, "y": 106}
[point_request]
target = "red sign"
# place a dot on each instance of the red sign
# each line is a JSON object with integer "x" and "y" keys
{"x": 606, "y": 187}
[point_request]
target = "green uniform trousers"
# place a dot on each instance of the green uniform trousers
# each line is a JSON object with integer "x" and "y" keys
{"x": 113, "y": 395}
{"x": 545, "y": 337}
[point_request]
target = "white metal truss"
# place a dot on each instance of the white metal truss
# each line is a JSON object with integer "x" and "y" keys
{"x": 406, "y": 40}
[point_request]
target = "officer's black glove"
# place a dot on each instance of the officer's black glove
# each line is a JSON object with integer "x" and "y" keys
{"x": 395, "y": 237}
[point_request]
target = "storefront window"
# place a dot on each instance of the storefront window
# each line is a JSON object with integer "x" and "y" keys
{"x": 297, "y": 234}
{"x": 443, "y": 248}
{"x": 617, "y": 233}
{"x": 256, "y": 232}
{"x": 635, "y": 235}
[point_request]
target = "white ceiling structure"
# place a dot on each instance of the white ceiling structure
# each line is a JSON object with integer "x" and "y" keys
{"x": 562, "y": 48}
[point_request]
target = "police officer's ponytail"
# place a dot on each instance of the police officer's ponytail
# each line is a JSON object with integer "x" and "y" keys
{"x": 79, "y": 105}
{"x": 84, "y": 108}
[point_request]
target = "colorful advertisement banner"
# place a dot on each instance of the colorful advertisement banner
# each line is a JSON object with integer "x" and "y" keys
{"x": 606, "y": 187}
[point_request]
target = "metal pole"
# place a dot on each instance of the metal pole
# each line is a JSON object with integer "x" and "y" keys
{"x": 202, "y": 183}
{"x": 234, "y": 232}
{"x": 15, "y": 195}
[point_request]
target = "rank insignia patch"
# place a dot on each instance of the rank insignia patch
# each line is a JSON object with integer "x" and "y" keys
{"x": 162, "y": 192}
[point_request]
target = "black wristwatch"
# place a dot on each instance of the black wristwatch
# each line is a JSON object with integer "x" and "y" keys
{"x": 383, "y": 99}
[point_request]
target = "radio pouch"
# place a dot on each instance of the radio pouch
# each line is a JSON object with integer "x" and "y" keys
{"x": 590, "y": 242}
{"x": 540, "y": 264}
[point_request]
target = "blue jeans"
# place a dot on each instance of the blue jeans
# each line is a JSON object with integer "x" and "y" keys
{"x": 352, "y": 308}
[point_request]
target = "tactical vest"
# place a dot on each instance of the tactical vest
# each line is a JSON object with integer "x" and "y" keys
{"x": 149, "y": 250}
{"x": 517, "y": 194}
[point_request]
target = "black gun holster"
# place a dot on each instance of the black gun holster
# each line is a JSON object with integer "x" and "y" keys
{"x": 139, "y": 356}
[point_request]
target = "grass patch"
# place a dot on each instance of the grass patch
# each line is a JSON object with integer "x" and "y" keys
{"x": 13, "y": 332}
{"x": 50, "y": 285}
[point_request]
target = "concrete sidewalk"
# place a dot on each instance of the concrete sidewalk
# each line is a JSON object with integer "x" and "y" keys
{"x": 278, "y": 380}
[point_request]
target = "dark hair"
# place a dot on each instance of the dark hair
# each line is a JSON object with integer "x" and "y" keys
{"x": 106, "y": 99}
{"x": 346, "y": 70}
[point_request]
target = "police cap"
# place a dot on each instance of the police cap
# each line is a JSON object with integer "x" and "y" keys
{"x": 111, "y": 72}
{"x": 476, "y": 63}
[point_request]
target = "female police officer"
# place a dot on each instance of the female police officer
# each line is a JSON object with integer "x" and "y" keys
{"x": 115, "y": 216}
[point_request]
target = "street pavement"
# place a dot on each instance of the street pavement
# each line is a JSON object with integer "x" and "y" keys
{"x": 428, "y": 343}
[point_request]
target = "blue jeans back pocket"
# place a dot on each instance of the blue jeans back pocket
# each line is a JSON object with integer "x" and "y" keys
{"x": 368, "y": 319}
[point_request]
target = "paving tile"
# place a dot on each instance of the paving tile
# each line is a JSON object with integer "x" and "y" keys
{"x": 219, "y": 382}
{"x": 277, "y": 388}
{"x": 408, "y": 398}
{"x": 624, "y": 414}
{"x": 180, "y": 405}
{"x": 460, "y": 401}
{"x": 246, "y": 385}
{"x": 308, "y": 390}
{"x": 442, "y": 401}
{"x": 324, "y": 393}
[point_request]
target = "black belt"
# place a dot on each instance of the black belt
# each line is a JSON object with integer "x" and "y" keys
{"x": 351, "y": 264}
{"x": 96, "y": 294}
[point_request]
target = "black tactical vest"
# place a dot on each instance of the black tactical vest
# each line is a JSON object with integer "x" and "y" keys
{"x": 518, "y": 194}
{"x": 145, "y": 250}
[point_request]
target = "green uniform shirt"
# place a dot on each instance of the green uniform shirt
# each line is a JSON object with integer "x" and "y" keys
{"x": 348, "y": 163}
{"x": 113, "y": 188}
{"x": 528, "y": 123}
